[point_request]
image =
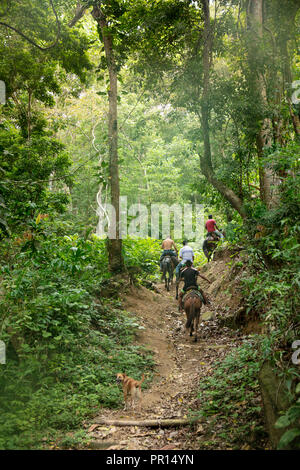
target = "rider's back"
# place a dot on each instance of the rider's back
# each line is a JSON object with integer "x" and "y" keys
{"x": 189, "y": 275}
{"x": 167, "y": 244}
{"x": 210, "y": 225}
{"x": 186, "y": 253}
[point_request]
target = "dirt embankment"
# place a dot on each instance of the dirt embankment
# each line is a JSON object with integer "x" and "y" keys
{"x": 225, "y": 291}
{"x": 180, "y": 362}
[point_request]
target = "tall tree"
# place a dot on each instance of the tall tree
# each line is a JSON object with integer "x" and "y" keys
{"x": 104, "y": 13}
{"x": 205, "y": 159}
{"x": 116, "y": 261}
{"x": 182, "y": 50}
{"x": 256, "y": 47}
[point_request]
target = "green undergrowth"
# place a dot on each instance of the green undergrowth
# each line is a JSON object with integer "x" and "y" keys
{"x": 272, "y": 294}
{"x": 229, "y": 402}
{"x": 141, "y": 257}
{"x": 65, "y": 340}
{"x": 270, "y": 281}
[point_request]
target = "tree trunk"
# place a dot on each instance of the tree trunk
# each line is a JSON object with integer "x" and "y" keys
{"x": 267, "y": 177}
{"x": 205, "y": 159}
{"x": 287, "y": 74}
{"x": 116, "y": 262}
{"x": 147, "y": 422}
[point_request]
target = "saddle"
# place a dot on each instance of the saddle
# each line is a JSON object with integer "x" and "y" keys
{"x": 192, "y": 288}
{"x": 212, "y": 239}
{"x": 195, "y": 290}
{"x": 171, "y": 256}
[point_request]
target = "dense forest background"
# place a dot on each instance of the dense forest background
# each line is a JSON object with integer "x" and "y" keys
{"x": 162, "y": 101}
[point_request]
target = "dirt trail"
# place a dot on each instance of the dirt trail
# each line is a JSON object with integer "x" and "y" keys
{"x": 180, "y": 365}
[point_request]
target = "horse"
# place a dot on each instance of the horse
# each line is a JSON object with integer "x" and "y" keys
{"x": 192, "y": 306}
{"x": 167, "y": 268}
{"x": 209, "y": 246}
{"x": 177, "y": 281}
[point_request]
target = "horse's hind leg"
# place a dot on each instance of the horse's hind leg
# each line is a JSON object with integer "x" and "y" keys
{"x": 170, "y": 276}
{"x": 195, "y": 337}
{"x": 164, "y": 277}
{"x": 196, "y": 320}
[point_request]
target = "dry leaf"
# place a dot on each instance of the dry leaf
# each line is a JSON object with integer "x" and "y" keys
{"x": 169, "y": 447}
{"x": 199, "y": 429}
{"x": 94, "y": 426}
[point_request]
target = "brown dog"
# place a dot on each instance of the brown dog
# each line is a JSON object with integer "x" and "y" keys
{"x": 131, "y": 388}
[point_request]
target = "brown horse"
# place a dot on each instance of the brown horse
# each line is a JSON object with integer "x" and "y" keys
{"x": 192, "y": 306}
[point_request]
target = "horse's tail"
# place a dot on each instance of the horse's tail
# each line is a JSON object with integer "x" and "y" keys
{"x": 164, "y": 270}
{"x": 167, "y": 267}
{"x": 171, "y": 268}
{"x": 191, "y": 314}
{"x": 205, "y": 249}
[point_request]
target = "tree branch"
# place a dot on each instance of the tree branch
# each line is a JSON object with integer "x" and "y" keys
{"x": 80, "y": 12}
{"x": 146, "y": 422}
{"x": 31, "y": 40}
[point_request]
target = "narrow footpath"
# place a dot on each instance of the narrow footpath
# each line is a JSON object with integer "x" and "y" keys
{"x": 181, "y": 364}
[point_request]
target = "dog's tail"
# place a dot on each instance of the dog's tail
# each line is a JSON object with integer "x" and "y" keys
{"x": 142, "y": 380}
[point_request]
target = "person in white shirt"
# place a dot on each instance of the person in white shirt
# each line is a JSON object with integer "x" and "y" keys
{"x": 186, "y": 253}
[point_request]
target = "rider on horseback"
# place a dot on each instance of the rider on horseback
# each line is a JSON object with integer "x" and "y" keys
{"x": 186, "y": 254}
{"x": 214, "y": 235}
{"x": 189, "y": 276}
{"x": 167, "y": 246}
{"x": 212, "y": 228}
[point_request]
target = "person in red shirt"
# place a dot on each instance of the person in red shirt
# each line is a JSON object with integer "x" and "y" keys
{"x": 211, "y": 226}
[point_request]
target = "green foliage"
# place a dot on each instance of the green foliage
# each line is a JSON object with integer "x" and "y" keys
{"x": 65, "y": 340}
{"x": 271, "y": 289}
{"x": 55, "y": 317}
{"x": 229, "y": 397}
{"x": 291, "y": 436}
{"x": 28, "y": 166}
{"x": 142, "y": 253}
{"x": 32, "y": 160}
